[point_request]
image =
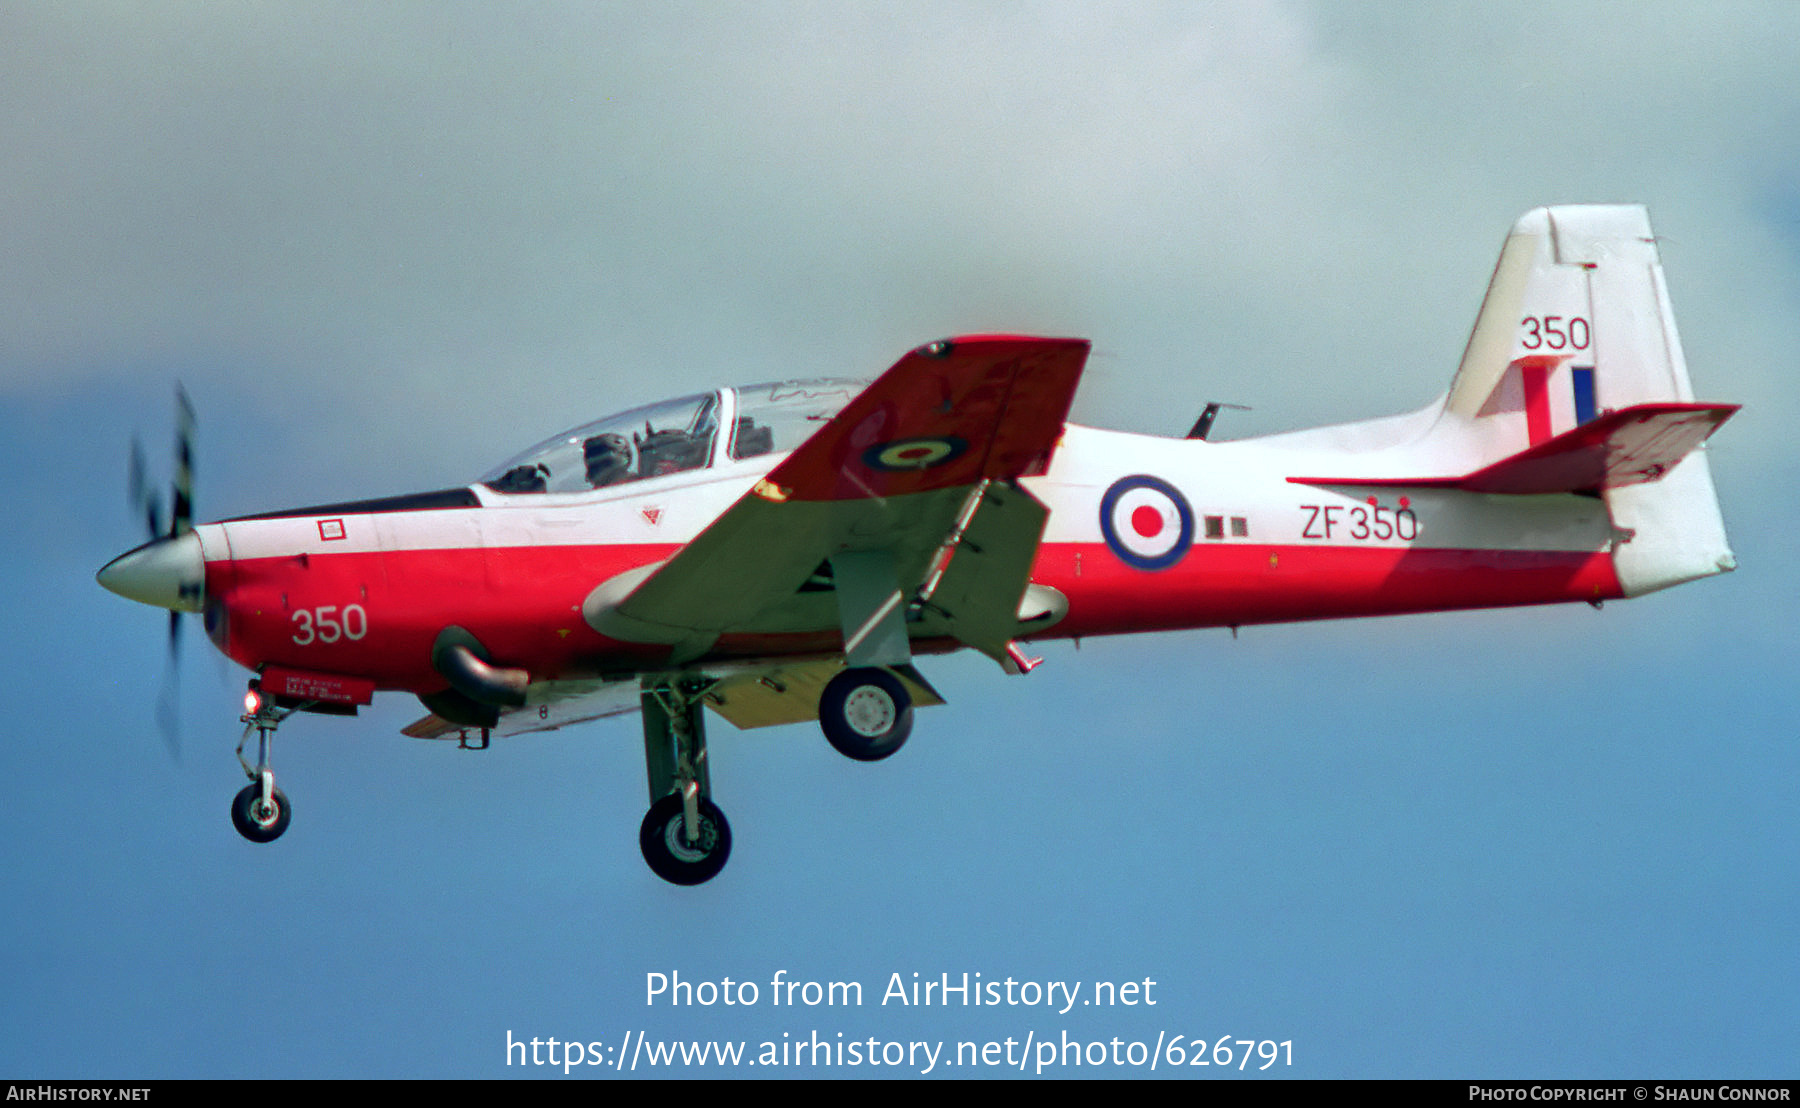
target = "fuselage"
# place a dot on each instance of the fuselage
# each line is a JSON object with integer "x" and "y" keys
{"x": 1144, "y": 534}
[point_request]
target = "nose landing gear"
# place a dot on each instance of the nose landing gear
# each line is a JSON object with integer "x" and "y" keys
{"x": 260, "y": 812}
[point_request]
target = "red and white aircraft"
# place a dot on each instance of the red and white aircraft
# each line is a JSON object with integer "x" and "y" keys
{"x": 783, "y": 552}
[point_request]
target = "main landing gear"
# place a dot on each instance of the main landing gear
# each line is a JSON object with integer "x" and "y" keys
{"x": 685, "y": 838}
{"x": 260, "y": 811}
{"x": 866, "y": 713}
{"x": 680, "y": 855}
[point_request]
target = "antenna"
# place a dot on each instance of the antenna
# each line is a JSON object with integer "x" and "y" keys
{"x": 1203, "y": 425}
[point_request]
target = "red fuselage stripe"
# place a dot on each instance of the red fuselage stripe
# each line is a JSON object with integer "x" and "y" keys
{"x": 376, "y": 614}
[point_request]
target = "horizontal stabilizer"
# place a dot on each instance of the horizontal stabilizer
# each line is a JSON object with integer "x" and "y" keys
{"x": 1631, "y": 446}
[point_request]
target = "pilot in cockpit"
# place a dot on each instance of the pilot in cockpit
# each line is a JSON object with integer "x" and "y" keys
{"x": 522, "y": 478}
{"x": 671, "y": 451}
{"x": 608, "y": 459}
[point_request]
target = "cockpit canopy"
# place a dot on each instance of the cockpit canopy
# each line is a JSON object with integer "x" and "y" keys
{"x": 675, "y": 436}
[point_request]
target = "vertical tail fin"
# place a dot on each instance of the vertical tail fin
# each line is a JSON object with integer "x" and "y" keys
{"x": 1577, "y": 322}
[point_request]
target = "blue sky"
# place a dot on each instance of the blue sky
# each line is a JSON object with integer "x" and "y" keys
{"x": 384, "y": 249}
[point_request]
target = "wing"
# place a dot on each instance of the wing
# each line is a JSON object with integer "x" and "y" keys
{"x": 862, "y": 516}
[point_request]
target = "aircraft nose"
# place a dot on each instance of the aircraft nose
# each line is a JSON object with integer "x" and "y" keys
{"x": 167, "y": 573}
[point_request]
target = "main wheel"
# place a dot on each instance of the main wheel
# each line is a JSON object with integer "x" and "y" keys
{"x": 672, "y": 857}
{"x": 259, "y": 822}
{"x": 866, "y": 714}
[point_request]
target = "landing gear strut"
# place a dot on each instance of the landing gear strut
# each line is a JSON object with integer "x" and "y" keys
{"x": 260, "y": 812}
{"x": 684, "y": 837}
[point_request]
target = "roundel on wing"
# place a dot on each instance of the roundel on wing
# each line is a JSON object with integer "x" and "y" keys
{"x": 911, "y": 454}
{"x": 1146, "y": 522}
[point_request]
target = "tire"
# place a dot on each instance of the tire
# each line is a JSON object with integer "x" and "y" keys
{"x": 671, "y": 857}
{"x": 866, "y": 714}
{"x": 259, "y": 826}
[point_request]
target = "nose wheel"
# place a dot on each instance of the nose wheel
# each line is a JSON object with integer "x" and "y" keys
{"x": 259, "y": 818}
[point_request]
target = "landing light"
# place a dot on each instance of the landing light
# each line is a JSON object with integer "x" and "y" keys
{"x": 252, "y": 702}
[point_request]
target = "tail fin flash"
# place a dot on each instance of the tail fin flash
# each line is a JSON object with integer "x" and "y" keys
{"x": 1577, "y": 326}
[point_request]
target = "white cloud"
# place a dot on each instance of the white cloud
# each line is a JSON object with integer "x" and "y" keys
{"x": 491, "y": 219}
